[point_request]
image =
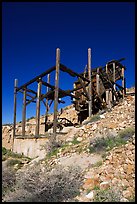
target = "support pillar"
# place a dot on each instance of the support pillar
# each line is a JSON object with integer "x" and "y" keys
{"x": 15, "y": 107}
{"x": 107, "y": 98}
{"x": 56, "y": 94}
{"x": 24, "y": 112}
{"x": 97, "y": 81}
{"x": 90, "y": 83}
{"x": 38, "y": 109}
{"x": 123, "y": 82}
{"x": 47, "y": 108}
{"x": 114, "y": 86}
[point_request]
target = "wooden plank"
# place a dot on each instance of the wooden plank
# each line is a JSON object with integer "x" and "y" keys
{"x": 24, "y": 113}
{"x": 26, "y": 94}
{"x": 106, "y": 68}
{"x": 72, "y": 73}
{"x": 107, "y": 97}
{"x": 84, "y": 88}
{"x": 56, "y": 94}
{"x": 90, "y": 84}
{"x": 47, "y": 107}
{"x": 123, "y": 82}
{"x": 37, "y": 77}
{"x": 48, "y": 84}
{"x": 32, "y": 100}
{"x": 30, "y": 90}
{"x": 97, "y": 81}
{"x": 15, "y": 107}
{"x": 38, "y": 109}
{"x": 114, "y": 79}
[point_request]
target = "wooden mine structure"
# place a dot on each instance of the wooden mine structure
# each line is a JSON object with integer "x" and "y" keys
{"x": 94, "y": 90}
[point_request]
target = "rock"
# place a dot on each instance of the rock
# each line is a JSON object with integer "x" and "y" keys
{"x": 130, "y": 168}
{"x": 124, "y": 200}
{"x": 102, "y": 116}
{"x": 90, "y": 195}
{"x": 127, "y": 193}
{"x": 79, "y": 139}
{"x": 104, "y": 185}
{"x": 94, "y": 126}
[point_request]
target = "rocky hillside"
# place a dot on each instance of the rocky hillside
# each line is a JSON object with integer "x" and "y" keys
{"x": 95, "y": 161}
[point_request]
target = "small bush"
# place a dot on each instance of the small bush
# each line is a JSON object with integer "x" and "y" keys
{"x": 8, "y": 179}
{"x": 6, "y": 153}
{"x": 99, "y": 163}
{"x": 75, "y": 141}
{"x": 54, "y": 152}
{"x": 127, "y": 133}
{"x": 51, "y": 185}
{"x": 12, "y": 162}
{"x": 105, "y": 144}
{"x": 93, "y": 118}
{"x": 109, "y": 195}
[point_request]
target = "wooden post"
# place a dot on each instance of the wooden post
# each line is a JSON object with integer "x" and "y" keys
{"x": 15, "y": 106}
{"x": 106, "y": 68}
{"x": 38, "y": 109}
{"x": 107, "y": 98}
{"x": 110, "y": 98}
{"x": 47, "y": 108}
{"x": 107, "y": 91}
{"x": 56, "y": 94}
{"x": 90, "y": 84}
{"x": 97, "y": 81}
{"x": 24, "y": 112}
{"x": 114, "y": 86}
{"x": 123, "y": 82}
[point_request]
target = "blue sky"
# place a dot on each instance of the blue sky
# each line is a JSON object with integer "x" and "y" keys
{"x": 31, "y": 32}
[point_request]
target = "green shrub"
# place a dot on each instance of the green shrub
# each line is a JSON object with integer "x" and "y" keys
{"x": 105, "y": 144}
{"x": 108, "y": 195}
{"x": 97, "y": 164}
{"x": 127, "y": 133}
{"x": 75, "y": 141}
{"x": 6, "y": 153}
{"x": 93, "y": 118}
{"x": 12, "y": 162}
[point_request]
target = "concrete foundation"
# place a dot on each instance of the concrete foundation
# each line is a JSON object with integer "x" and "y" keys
{"x": 31, "y": 147}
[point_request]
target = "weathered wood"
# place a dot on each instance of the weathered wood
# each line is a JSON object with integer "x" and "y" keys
{"x": 97, "y": 81}
{"x": 106, "y": 68}
{"x": 30, "y": 90}
{"x": 26, "y": 94}
{"x": 84, "y": 88}
{"x": 56, "y": 93}
{"x": 90, "y": 83}
{"x": 48, "y": 83}
{"x": 114, "y": 73}
{"x": 15, "y": 106}
{"x": 37, "y": 77}
{"x": 44, "y": 102}
{"x": 47, "y": 107}
{"x": 72, "y": 73}
{"x": 32, "y": 100}
{"x": 24, "y": 112}
{"x": 107, "y": 97}
{"x": 123, "y": 82}
{"x": 38, "y": 109}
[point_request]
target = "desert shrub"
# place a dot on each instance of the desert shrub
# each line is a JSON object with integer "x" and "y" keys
{"x": 108, "y": 195}
{"x": 12, "y": 162}
{"x": 127, "y": 133}
{"x": 6, "y": 153}
{"x": 8, "y": 180}
{"x": 75, "y": 141}
{"x": 93, "y": 118}
{"x": 109, "y": 142}
{"x": 51, "y": 185}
